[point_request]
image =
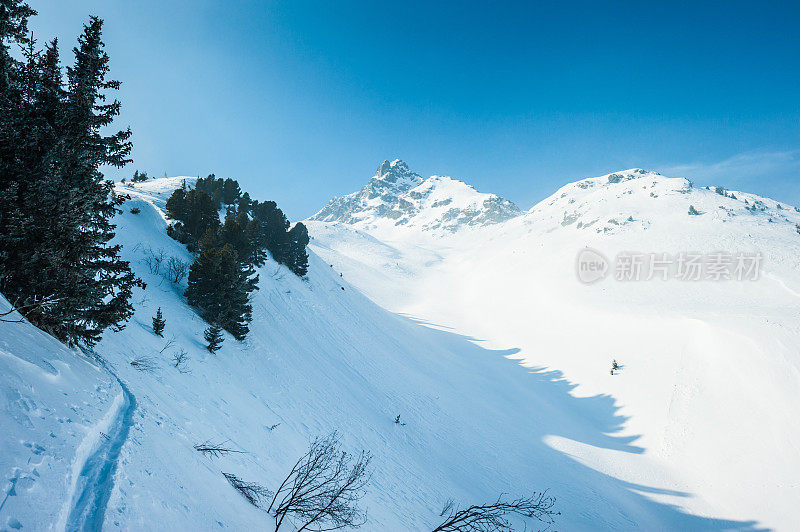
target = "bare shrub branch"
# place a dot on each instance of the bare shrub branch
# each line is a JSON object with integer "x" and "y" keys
{"x": 180, "y": 359}
{"x": 145, "y": 364}
{"x": 322, "y": 490}
{"x": 215, "y": 449}
{"x": 447, "y": 508}
{"x": 177, "y": 270}
{"x": 494, "y": 517}
{"x": 275, "y": 275}
{"x": 43, "y": 304}
{"x": 251, "y": 491}
{"x": 154, "y": 259}
{"x": 170, "y": 343}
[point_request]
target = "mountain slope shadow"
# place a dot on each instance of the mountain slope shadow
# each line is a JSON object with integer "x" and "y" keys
{"x": 516, "y": 456}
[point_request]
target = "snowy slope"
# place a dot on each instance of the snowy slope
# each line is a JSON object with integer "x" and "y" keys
{"x": 80, "y": 447}
{"x": 710, "y": 385}
{"x": 398, "y": 197}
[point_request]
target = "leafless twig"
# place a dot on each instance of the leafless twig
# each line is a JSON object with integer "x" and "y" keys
{"x": 251, "y": 491}
{"x": 179, "y": 360}
{"x": 144, "y": 364}
{"x": 494, "y": 517}
{"x": 323, "y": 489}
{"x": 177, "y": 270}
{"x": 448, "y": 506}
{"x": 38, "y": 304}
{"x": 215, "y": 449}
{"x": 170, "y": 343}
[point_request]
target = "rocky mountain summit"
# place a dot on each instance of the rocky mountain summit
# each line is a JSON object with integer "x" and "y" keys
{"x": 396, "y": 196}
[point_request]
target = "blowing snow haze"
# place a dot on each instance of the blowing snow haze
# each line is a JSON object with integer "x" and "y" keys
{"x": 614, "y": 349}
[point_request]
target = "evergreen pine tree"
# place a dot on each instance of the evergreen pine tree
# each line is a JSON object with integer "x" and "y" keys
{"x": 138, "y": 176}
{"x": 272, "y": 227}
{"x": 195, "y": 212}
{"x": 297, "y": 256}
{"x": 55, "y": 206}
{"x": 219, "y": 288}
{"x": 245, "y": 203}
{"x": 213, "y": 337}
{"x": 158, "y": 323}
{"x": 230, "y": 192}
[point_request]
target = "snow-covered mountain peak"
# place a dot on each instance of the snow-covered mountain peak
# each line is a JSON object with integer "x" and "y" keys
{"x": 396, "y": 173}
{"x": 398, "y": 197}
{"x": 630, "y": 201}
{"x": 620, "y": 176}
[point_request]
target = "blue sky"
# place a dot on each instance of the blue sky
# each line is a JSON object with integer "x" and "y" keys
{"x": 300, "y": 101}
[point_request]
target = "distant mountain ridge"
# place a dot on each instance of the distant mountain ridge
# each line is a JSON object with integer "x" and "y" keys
{"x": 397, "y": 196}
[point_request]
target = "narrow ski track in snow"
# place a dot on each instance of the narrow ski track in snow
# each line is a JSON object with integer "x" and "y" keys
{"x": 95, "y": 482}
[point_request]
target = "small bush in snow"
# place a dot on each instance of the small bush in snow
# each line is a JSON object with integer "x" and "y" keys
{"x": 176, "y": 270}
{"x": 214, "y": 449}
{"x": 254, "y": 493}
{"x": 158, "y": 323}
{"x": 179, "y": 360}
{"x": 145, "y": 364}
{"x": 494, "y": 516}
{"x": 213, "y": 337}
{"x": 154, "y": 259}
{"x": 323, "y": 489}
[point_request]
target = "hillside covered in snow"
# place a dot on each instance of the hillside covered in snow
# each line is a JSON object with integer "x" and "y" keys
{"x": 106, "y": 438}
{"x": 480, "y": 337}
{"x": 709, "y": 382}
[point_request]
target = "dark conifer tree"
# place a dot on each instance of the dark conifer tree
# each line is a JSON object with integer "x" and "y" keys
{"x": 176, "y": 205}
{"x": 56, "y": 208}
{"x": 195, "y": 212}
{"x": 230, "y": 192}
{"x": 158, "y": 323}
{"x": 296, "y": 255}
{"x": 210, "y": 240}
{"x": 245, "y": 203}
{"x": 233, "y": 232}
{"x": 273, "y": 226}
{"x": 213, "y": 337}
{"x": 219, "y": 288}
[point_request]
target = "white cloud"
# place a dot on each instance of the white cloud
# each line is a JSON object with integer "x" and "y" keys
{"x": 742, "y": 168}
